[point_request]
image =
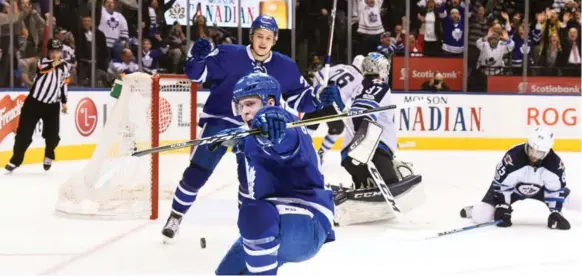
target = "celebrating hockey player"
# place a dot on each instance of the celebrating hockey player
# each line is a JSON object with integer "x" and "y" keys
{"x": 347, "y": 78}
{"x": 288, "y": 215}
{"x": 530, "y": 170}
{"x": 368, "y": 155}
{"x": 224, "y": 65}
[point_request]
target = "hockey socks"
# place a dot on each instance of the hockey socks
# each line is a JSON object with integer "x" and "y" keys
{"x": 183, "y": 199}
{"x": 327, "y": 143}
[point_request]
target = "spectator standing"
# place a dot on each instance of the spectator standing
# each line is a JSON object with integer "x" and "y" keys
{"x": 549, "y": 57}
{"x": 570, "y": 57}
{"x": 493, "y": 50}
{"x": 477, "y": 29}
{"x": 369, "y": 23}
{"x": 115, "y": 28}
{"x": 35, "y": 25}
{"x": 453, "y": 33}
{"x": 5, "y": 21}
{"x": 177, "y": 51}
{"x": 84, "y": 36}
{"x": 431, "y": 29}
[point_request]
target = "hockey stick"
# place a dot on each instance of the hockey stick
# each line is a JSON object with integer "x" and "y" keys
{"x": 329, "y": 44}
{"x": 458, "y": 230}
{"x": 227, "y": 137}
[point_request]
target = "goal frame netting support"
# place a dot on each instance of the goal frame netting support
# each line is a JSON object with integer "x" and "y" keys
{"x": 148, "y": 111}
{"x": 155, "y": 129}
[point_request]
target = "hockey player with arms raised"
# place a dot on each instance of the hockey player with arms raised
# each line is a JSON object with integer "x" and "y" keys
{"x": 368, "y": 155}
{"x": 527, "y": 171}
{"x": 224, "y": 65}
{"x": 289, "y": 213}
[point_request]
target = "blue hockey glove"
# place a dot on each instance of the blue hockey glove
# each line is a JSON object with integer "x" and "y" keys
{"x": 271, "y": 121}
{"x": 201, "y": 49}
{"x": 230, "y": 143}
{"x": 329, "y": 95}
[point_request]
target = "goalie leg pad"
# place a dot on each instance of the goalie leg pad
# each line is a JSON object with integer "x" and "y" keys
{"x": 365, "y": 142}
{"x": 384, "y": 161}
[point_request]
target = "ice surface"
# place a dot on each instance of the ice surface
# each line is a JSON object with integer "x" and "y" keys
{"x": 35, "y": 241}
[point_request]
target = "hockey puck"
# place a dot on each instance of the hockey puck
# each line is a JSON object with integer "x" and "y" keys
{"x": 203, "y": 242}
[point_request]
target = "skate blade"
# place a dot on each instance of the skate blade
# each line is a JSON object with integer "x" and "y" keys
{"x": 167, "y": 240}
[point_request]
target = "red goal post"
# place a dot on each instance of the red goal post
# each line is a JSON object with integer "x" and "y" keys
{"x": 158, "y": 84}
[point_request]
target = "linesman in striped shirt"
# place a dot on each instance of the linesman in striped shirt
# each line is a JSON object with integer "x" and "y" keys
{"x": 47, "y": 97}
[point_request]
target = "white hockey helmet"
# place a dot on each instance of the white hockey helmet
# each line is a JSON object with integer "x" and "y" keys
{"x": 376, "y": 64}
{"x": 539, "y": 143}
{"x": 357, "y": 62}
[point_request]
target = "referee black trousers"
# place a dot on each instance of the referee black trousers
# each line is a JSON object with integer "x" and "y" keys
{"x": 33, "y": 111}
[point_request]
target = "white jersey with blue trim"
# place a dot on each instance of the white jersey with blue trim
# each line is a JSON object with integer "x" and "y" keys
{"x": 372, "y": 94}
{"x": 516, "y": 174}
{"x": 346, "y": 77}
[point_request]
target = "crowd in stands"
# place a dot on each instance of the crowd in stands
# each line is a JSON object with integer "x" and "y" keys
{"x": 495, "y": 40}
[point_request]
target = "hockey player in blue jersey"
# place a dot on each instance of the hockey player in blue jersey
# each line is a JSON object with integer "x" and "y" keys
{"x": 288, "y": 215}
{"x": 224, "y": 65}
{"x": 527, "y": 171}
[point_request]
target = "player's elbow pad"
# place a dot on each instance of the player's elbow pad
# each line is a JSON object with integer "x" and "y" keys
{"x": 195, "y": 70}
{"x": 289, "y": 146}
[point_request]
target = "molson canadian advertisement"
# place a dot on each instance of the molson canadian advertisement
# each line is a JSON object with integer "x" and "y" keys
{"x": 222, "y": 13}
{"x": 423, "y": 121}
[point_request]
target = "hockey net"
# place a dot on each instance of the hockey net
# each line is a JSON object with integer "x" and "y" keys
{"x": 150, "y": 111}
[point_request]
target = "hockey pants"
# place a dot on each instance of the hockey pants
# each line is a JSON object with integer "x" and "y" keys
{"x": 270, "y": 237}
{"x": 32, "y": 112}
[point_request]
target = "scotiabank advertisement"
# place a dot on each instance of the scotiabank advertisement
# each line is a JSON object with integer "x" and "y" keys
{"x": 422, "y": 69}
{"x": 534, "y": 85}
{"x": 222, "y": 13}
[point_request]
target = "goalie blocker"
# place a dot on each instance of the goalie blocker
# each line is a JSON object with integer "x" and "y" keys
{"x": 383, "y": 187}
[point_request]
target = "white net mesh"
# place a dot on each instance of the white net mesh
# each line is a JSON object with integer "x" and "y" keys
{"x": 115, "y": 185}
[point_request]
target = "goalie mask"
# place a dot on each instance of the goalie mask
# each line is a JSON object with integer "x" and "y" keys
{"x": 256, "y": 84}
{"x": 539, "y": 144}
{"x": 375, "y": 64}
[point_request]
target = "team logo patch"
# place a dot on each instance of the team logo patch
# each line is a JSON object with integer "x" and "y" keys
{"x": 528, "y": 190}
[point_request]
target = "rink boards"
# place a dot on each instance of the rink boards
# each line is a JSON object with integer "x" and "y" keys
{"x": 424, "y": 121}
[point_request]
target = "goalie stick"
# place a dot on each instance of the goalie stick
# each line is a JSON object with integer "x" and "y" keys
{"x": 226, "y": 137}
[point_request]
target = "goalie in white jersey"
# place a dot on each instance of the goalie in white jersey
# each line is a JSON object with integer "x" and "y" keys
{"x": 368, "y": 154}
{"x": 527, "y": 171}
{"x": 347, "y": 78}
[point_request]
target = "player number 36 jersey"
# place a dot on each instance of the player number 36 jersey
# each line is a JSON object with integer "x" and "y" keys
{"x": 346, "y": 77}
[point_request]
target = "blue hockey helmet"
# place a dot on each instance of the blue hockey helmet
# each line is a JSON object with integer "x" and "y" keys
{"x": 256, "y": 84}
{"x": 266, "y": 22}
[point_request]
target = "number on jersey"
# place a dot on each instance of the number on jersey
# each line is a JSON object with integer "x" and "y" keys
{"x": 342, "y": 78}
